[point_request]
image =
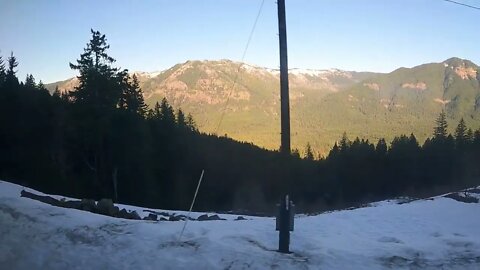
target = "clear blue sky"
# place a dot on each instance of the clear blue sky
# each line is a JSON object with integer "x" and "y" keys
{"x": 150, "y": 35}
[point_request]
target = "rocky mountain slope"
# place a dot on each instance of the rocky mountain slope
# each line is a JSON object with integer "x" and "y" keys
{"x": 324, "y": 103}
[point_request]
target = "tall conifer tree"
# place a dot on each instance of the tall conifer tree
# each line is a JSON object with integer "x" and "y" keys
{"x": 440, "y": 130}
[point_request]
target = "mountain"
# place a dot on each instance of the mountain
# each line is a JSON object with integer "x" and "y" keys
{"x": 407, "y": 100}
{"x": 242, "y": 100}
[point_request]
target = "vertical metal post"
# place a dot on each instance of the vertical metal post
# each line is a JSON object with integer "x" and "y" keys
{"x": 284, "y": 96}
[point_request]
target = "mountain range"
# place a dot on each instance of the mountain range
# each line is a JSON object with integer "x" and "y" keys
{"x": 242, "y": 101}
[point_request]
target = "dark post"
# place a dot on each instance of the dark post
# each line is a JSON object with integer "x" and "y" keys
{"x": 285, "y": 220}
{"x": 285, "y": 211}
{"x": 284, "y": 96}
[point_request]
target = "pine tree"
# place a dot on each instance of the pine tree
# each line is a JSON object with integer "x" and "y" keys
{"x": 476, "y": 136}
{"x": 57, "y": 93}
{"x": 166, "y": 113}
{"x": 2, "y": 72}
{"x": 334, "y": 151}
{"x": 191, "y": 123}
{"x": 181, "y": 121}
{"x": 440, "y": 130}
{"x": 461, "y": 133}
{"x": 100, "y": 84}
{"x": 413, "y": 141}
{"x": 154, "y": 114}
{"x": 11, "y": 80}
{"x": 96, "y": 101}
{"x": 308, "y": 152}
{"x": 469, "y": 135}
{"x": 41, "y": 87}
{"x": 132, "y": 97}
{"x": 141, "y": 107}
{"x": 344, "y": 143}
{"x": 30, "y": 82}
{"x": 381, "y": 149}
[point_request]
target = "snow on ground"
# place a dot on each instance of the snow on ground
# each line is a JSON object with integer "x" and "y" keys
{"x": 440, "y": 233}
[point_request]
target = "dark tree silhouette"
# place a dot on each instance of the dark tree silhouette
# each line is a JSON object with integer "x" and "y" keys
{"x": 2, "y": 72}
{"x": 11, "y": 80}
{"x": 461, "y": 134}
{"x": 381, "y": 148}
{"x": 309, "y": 152}
{"x": 440, "y": 130}
{"x": 97, "y": 97}
{"x": 99, "y": 82}
{"x": 132, "y": 97}
{"x": 181, "y": 121}
{"x": 166, "y": 113}
{"x": 30, "y": 82}
{"x": 344, "y": 143}
{"x": 192, "y": 126}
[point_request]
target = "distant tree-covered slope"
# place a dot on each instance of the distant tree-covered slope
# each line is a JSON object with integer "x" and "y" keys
{"x": 402, "y": 102}
{"x": 242, "y": 100}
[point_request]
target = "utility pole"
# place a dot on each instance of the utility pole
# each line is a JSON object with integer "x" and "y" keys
{"x": 284, "y": 96}
{"x": 285, "y": 216}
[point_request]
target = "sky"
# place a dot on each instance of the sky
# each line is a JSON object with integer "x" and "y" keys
{"x": 153, "y": 35}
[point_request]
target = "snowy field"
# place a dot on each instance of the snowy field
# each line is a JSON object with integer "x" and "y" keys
{"x": 440, "y": 233}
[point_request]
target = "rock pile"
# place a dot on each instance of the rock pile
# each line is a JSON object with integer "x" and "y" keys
{"x": 102, "y": 207}
{"x": 107, "y": 208}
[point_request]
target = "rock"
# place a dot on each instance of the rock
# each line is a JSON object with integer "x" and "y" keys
{"x": 474, "y": 190}
{"x": 115, "y": 212}
{"x": 215, "y": 217}
{"x": 88, "y": 205}
{"x": 123, "y": 214}
{"x": 174, "y": 218}
{"x": 462, "y": 198}
{"x": 106, "y": 207}
{"x": 134, "y": 215}
{"x": 71, "y": 204}
{"x": 165, "y": 214}
{"x": 240, "y": 218}
{"x": 151, "y": 217}
{"x": 183, "y": 217}
{"x": 128, "y": 215}
{"x": 44, "y": 199}
{"x": 52, "y": 201}
{"x": 203, "y": 217}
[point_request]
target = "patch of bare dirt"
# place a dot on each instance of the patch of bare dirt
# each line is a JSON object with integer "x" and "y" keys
{"x": 373, "y": 86}
{"x": 415, "y": 86}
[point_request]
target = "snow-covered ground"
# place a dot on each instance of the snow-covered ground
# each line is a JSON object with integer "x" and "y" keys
{"x": 440, "y": 233}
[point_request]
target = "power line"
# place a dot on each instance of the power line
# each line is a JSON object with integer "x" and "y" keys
{"x": 240, "y": 66}
{"x": 462, "y": 4}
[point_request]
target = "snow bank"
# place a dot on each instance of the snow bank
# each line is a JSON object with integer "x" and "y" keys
{"x": 425, "y": 234}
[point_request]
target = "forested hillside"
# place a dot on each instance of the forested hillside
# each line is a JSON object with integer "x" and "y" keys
{"x": 242, "y": 100}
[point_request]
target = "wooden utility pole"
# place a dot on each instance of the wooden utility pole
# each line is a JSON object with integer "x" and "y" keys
{"x": 284, "y": 96}
{"x": 285, "y": 216}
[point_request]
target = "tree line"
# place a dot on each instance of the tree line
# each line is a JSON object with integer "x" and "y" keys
{"x": 100, "y": 140}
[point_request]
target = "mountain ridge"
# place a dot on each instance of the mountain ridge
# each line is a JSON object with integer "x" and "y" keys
{"x": 324, "y": 103}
